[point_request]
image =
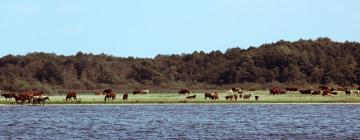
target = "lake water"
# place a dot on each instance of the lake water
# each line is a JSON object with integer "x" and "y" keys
{"x": 180, "y": 122}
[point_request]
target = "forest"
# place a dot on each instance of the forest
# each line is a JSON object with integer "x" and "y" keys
{"x": 283, "y": 63}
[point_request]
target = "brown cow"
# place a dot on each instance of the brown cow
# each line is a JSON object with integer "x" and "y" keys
{"x": 276, "y": 90}
{"x": 125, "y": 96}
{"x": 257, "y": 98}
{"x": 348, "y": 92}
{"x": 184, "y": 91}
{"x": 19, "y": 98}
{"x": 316, "y": 92}
{"x": 229, "y": 97}
{"x": 246, "y": 96}
{"x": 71, "y": 95}
{"x": 305, "y": 91}
{"x": 8, "y": 95}
{"x": 111, "y": 95}
{"x": 208, "y": 95}
{"x": 27, "y": 96}
{"x": 106, "y": 91}
{"x": 291, "y": 89}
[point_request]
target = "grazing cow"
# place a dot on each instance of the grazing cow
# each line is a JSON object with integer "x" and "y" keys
{"x": 291, "y": 89}
{"x": 111, "y": 95}
{"x": 125, "y": 96}
{"x": 348, "y": 92}
{"x": 208, "y": 95}
{"x": 257, "y": 98}
{"x": 316, "y": 92}
{"x": 276, "y": 90}
{"x": 184, "y": 91}
{"x": 246, "y": 96}
{"x": 27, "y": 96}
{"x": 324, "y": 87}
{"x": 326, "y": 92}
{"x": 70, "y": 95}
{"x": 191, "y": 97}
{"x": 229, "y": 97}
{"x": 8, "y": 95}
{"x": 106, "y": 91}
{"x": 305, "y": 91}
{"x": 140, "y": 91}
{"x": 340, "y": 88}
{"x": 40, "y": 100}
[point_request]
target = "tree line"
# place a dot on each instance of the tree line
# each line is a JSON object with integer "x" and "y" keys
{"x": 302, "y": 62}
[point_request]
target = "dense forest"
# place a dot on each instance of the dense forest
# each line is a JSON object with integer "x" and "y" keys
{"x": 301, "y": 63}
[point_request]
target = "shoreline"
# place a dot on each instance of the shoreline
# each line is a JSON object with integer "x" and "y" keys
{"x": 144, "y": 104}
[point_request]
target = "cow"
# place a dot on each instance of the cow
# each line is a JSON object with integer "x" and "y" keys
{"x": 348, "y": 92}
{"x": 191, "y": 97}
{"x": 316, "y": 92}
{"x": 40, "y": 100}
{"x": 291, "y": 89}
{"x": 236, "y": 96}
{"x": 229, "y": 97}
{"x": 70, "y": 95}
{"x": 140, "y": 91}
{"x": 305, "y": 91}
{"x": 324, "y": 87}
{"x": 27, "y": 96}
{"x": 125, "y": 96}
{"x": 109, "y": 96}
{"x": 276, "y": 90}
{"x": 107, "y": 91}
{"x": 8, "y": 95}
{"x": 184, "y": 91}
{"x": 246, "y": 96}
{"x": 257, "y": 98}
{"x": 208, "y": 95}
{"x": 355, "y": 92}
{"x": 19, "y": 98}
{"x": 215, "y": 96}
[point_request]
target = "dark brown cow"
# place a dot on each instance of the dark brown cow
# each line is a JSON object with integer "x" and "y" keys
{"x": 291, "y": 89}
{"x": 109, "y": 96}
{"x": 247, "y": 96}
{"x": 106, "y": 91}
{"x": 184, "y": 91}
{"x": 191, "y": 97}
{"x": 305, "y": 91}
{"x": 257, "y": 98}
{"x": 215, "y": 96}
{"x": 324, "y": 87}
{"x": 348, "y": 93}
{"x": 8, "y": 95}
{"x": 19, "y": 98}
{"x": 71, "y": 95}
{"x": 125, "y": 96}
{"x": 229, "y": 97}
{"x": 208, "y": 95}
{"x": 316, "y": 92}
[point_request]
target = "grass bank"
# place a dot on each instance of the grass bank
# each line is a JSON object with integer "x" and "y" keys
{"x": 174, "y": 98}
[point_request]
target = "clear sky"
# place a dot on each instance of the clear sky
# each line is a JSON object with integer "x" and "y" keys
{"x": 145, "y": 28}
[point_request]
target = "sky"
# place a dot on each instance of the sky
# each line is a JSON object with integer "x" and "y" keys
{"x": 145, "y": 28}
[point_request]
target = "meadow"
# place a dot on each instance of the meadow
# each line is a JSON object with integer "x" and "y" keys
{"x": 159, "y": 98}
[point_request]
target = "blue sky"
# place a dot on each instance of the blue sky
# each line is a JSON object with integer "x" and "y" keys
{"x": 145, "y": 28}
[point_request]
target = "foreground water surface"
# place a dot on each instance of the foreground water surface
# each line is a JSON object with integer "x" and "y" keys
{"x": 180, "y": 122}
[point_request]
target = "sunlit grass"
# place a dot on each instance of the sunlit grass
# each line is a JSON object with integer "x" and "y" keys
{"x": 158, "y": 98}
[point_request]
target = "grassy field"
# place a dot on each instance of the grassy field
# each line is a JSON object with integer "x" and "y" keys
{"x": 158, "y": 98}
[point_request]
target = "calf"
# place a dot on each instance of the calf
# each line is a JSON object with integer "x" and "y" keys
{"x": 125, "y": 96}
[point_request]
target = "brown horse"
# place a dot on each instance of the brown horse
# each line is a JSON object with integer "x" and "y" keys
{"x": 19, "y": 98}
{"x": 111, "y": 95}
{"x": 27, "y": 96}
{"x": 125, "y": 96}
{"x": 70, "y": 95}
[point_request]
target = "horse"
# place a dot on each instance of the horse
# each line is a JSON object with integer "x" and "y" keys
{"x": 19, "y": 98}
{"x": 125, "y": 96}
{"x": 111, "y": 95}
{"x": 27, "y": 96}
{"x": 70, "y": 95}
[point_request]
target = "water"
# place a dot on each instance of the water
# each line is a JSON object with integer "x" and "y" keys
{"x": 180, "y": 122}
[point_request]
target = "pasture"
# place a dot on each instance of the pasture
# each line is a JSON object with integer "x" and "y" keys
{"x": 159, "y": 98}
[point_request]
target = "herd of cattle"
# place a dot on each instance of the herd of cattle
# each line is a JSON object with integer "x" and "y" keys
{"x": 322, "y": 90}
{"x": 37, "y": 97}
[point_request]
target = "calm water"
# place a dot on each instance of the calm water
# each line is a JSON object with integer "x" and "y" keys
{"x": 181, "y": 122}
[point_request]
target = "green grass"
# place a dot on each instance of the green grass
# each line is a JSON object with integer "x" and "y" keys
{"x": 158, "y": 98}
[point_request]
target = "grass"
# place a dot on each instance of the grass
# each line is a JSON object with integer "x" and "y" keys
{"x": 159, "y": 98}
